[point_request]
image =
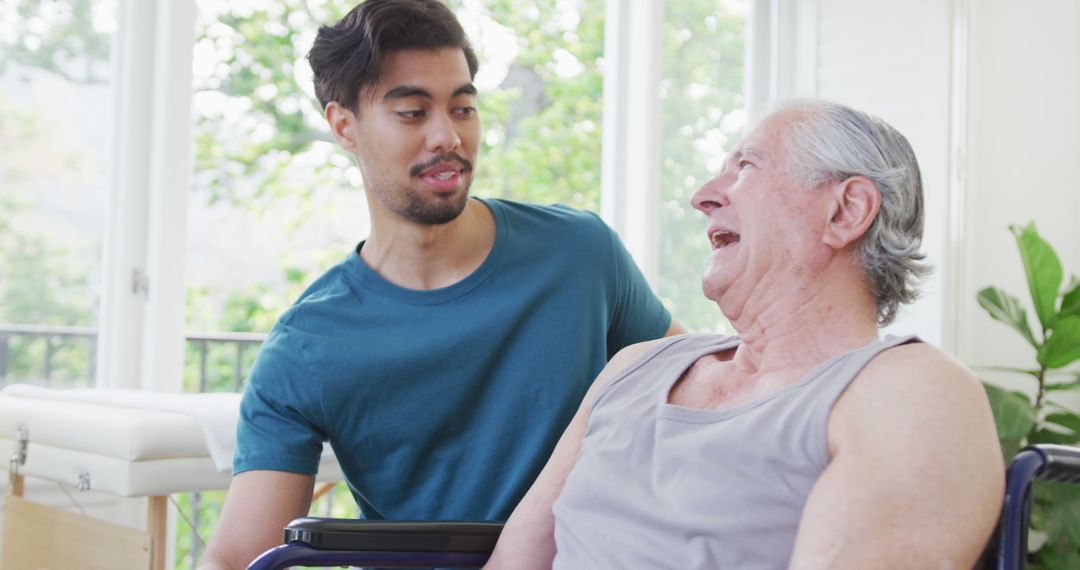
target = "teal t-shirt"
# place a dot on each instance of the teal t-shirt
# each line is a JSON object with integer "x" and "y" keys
{"x": 445, "y": 404}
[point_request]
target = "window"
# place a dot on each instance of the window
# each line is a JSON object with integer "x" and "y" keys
{"x": 702, "y": 114}
{"x": 55, "y": 129}
{"x": 273, "y": 202}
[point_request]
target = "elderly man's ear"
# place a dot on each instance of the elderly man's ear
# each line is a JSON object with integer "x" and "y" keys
{"x": 854, "y": 204}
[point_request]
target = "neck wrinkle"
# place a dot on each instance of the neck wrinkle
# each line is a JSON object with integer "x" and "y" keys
{"x": 823, "y": 319}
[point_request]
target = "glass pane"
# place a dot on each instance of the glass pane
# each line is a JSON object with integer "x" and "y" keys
{"x": 55, "y": 76}
{"x": 702, "y": 115}
{"x": 541, "y": 98}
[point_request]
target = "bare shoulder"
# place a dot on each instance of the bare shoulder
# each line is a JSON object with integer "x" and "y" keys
{"x": 910, "y": 392}
{"x": 914, "y": 374}
{"x": 915, "y": 468}
{"x": 619, "y": 363}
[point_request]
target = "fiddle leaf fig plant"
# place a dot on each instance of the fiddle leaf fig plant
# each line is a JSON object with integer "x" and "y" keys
{"x": 1028, "y": 417}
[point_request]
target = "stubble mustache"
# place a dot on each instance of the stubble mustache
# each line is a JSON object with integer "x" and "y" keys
{"x": 416, "y": 169}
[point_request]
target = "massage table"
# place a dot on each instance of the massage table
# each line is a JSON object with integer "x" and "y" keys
{"x": 124, "y": 442}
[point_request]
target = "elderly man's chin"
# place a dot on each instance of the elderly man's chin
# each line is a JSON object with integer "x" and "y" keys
{"x": 713, "y": 285}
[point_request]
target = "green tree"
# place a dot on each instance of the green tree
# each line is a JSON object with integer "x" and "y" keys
{"x": 42, "y": 280}
{"x": 702, "y": 105}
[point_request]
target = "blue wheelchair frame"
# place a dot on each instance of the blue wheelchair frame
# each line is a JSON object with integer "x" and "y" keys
{"x": 400, "y": 544}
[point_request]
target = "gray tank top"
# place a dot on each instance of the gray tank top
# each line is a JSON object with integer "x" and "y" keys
{"x": 663, "y": 486}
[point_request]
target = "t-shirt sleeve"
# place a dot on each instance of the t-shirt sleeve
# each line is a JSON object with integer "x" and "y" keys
{"x": 637, "y": 315}
{"x": 276, "y": 430}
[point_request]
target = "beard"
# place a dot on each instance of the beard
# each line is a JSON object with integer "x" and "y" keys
{"x": 433, "y": 212}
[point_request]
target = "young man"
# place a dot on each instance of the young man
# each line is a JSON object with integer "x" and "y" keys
{"x": 444, "y": 356}
{"x": 806, "y": 441}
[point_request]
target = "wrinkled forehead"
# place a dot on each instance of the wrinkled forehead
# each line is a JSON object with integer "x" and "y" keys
{"x": 773, "y": 129}
{"x": 767, "y": 140}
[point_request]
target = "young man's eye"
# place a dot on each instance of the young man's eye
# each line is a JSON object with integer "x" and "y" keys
{"x": 411, "y": 114}
{"x": 743, "y": 164}
{"x": 465, "y": 111}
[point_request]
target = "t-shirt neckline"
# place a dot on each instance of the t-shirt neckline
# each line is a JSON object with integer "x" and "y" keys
{"x": 364, "y": 275}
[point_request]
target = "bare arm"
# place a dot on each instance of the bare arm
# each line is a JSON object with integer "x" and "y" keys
{"x": 916, "y": 479}
{"x": 528, "y": 540}
{"x": 258, "y": 506}
{"x": 675, "y": 329}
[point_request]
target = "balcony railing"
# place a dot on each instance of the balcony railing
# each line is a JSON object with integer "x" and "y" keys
{"x": 64, "y": 357}
{"x": 39, "y": 348}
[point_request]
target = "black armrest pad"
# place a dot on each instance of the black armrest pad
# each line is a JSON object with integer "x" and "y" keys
{"x": 394, "y": 536}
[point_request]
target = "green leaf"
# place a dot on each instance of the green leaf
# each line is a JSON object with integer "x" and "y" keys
{"x": 1072, "y": 385}
{"x": 1055, "y": 557}
{"x": 1006, "y": 308}
{"x": 1043, "y": 270}
{"x": 1014, "y": 415}
{"x": 1059, "y": 504}
{"x": 1027, "y": 371}
{"x": 1067, "y": 420}
{"x": 1050, "y": 436}
{"x": 1070, "y": 301}
{"x": 1062, "y": 347}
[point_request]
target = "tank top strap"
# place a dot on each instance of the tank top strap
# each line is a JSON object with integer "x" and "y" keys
{"x": 672, "y": 353}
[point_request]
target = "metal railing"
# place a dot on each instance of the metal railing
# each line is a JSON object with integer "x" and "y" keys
{"x": 214, "y": 362}
{"x": 52, "y": 339}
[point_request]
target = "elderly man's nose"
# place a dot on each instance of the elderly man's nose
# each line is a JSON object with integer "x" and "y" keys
{"x": 712, "y": 194}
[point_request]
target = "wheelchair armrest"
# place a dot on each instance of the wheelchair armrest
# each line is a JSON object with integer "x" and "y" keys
{"x": 1045, "y": 462}
{"x": 1060, "y": 463}
{"x": 411, "y": 536}
{"x": 389, "y": 544}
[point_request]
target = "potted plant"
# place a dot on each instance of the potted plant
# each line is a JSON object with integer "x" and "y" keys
{"x": 1032, "y": 416}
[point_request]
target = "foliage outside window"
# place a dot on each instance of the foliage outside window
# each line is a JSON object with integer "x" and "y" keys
{"x": 54, "y": 174}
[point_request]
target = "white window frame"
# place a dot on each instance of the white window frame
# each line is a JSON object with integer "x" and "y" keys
{"x": 633, "y": 69}
{"x": 142, "y": 308}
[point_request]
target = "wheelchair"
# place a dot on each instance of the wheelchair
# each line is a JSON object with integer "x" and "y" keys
{"x": 400, "y": 544}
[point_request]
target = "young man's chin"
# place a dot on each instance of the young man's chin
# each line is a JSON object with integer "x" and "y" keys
{"x": 439, "y": 210}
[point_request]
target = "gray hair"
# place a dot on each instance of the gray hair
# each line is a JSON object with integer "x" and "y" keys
{"x": 833, "y": 142}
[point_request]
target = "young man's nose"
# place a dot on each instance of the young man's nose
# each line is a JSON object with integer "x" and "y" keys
{"x": 442, "y": 134}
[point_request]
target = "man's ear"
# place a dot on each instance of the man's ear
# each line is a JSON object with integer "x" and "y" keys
{"x": 342, "y": 125}
{"x": 855, "y": 204}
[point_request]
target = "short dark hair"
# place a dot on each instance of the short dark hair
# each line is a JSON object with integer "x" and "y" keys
{"x": 347, "y": 57}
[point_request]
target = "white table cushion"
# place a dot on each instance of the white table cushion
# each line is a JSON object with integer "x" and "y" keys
{"x": 125, "y": 450}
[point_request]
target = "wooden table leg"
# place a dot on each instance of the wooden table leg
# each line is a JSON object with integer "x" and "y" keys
{"x": 17, "y": 485}
{"x": 157, "y": 526}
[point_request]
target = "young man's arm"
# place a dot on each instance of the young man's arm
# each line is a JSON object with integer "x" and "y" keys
{"x": 528, "y": 540}
{"x": 675, "y": 329}
{"x": 916, "y": 479}
{"x": 258, "y": 506}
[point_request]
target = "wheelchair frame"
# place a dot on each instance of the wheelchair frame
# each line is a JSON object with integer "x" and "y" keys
{"x": 405, "y": 544}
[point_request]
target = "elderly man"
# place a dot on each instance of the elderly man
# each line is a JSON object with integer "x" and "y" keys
{"x": 805, "y": 441}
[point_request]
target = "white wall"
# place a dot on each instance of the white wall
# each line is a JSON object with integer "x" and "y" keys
{"x": 1023, "y": 159}
{"x": 892, "y": 59}
{"x": 988, "y": 93}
